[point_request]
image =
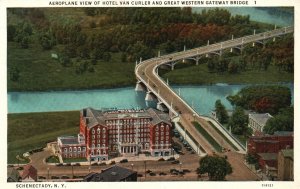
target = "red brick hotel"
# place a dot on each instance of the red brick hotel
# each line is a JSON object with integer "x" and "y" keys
{"x": 105, "y": 134}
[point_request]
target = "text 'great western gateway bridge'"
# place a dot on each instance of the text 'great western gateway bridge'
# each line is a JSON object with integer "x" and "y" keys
{"x": 149, "y": 80}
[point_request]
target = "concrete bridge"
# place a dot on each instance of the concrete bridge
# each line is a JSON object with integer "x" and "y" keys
{"x": 179, "y": 110}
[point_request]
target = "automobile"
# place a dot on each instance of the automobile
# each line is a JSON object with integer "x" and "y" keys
{"x": 162, "y": 173}
{"x": 124, "y": 161}
{"x": 139, "y": 175}
{"x": 102, "y": 164}
{"x": 152, "y": 174}
{"x": 54, "y": 177}
{"x": 59, "y": 164}
{"x": 175, "y": 162}
{"x": 161, "y": 159}
{"x": 93, "y": 164}
{"x": 180, "y": 153}
{"x": 186, "y": 170}
{"x": 148, "y": 171}
{"x": 176, "y": 135}
{"x": 68, "y": 164}
{"x": 112, "y": 162}
{"x": 41, "y": 177}
{"x": 64, "y": 177}
{"x": 76, "y": 164}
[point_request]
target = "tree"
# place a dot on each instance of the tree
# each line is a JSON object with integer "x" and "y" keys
{"x": 284, "y": 121}
{"x": 14, "y": 74}
{"x": 221, "y": 112}
{"x": 238, "y": 122}
{"x": 216, "y": 167}
{"x": 11, "y": 32}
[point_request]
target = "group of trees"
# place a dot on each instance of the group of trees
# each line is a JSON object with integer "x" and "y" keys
{"x": 275, "y": 100}
{"x": 262, "y": 98}
{"x": 283, "y": 121}
{"x": 215, "y": 166}
{"x": 279, "y": 53}
{"x": 237, "y": 122}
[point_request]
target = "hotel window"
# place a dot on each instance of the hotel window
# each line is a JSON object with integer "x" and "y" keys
{"x": 79, "y": 149}
{"x": 103, "y": 136}
{"x": 98, "y": 130}
{"x": 103, "y": 141}
{"x": 162, "y": 133}
{"x": 103, "y": 130}
{"x": 92, "y": 153}
{"x": 83, "y": 149}
{"x": 70, "y": 149}
{"x": 75, "y": 149}
{"x": 98, "y": 141}
{"x": 162, "y": 138}
{"x": 162, "y": 127}
{"x": 103, "y": 145}
{"x": 93, "y": 131}
{"x": 156, "y": 138}
{"x": 167, "y": 128}
{"x": 104, "y": 152}
{"x": 156, "y": 128}
{"x": 93, "y": 145}
{"x": 98, "y": 136}
{"x": 70, "y": 155}
{"x": 156, "y": 133}
{"x": 93, "y": 136}
{"x": 98, "y": 145}
{"x": 167, "y": 133}
{"x": 99, "y": 152}
{"x": 66, "y": 150}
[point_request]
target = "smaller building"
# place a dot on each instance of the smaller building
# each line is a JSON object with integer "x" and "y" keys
{"x": 29, "y": 174}
{"x": 257, "y": 122}
{"x": 13, "y": 175}
{"x": 112, "y": 174}
{"x": 270, "y": 143}
{"x": 267, "y": 161}
{"x": 286, "y": 164}
{"x": 72, "y": 146}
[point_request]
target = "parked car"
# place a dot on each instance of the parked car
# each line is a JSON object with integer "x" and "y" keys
{"x": 162, "y": 173}
{"x": 54, "y": 177}
{"x": 64, "y": 177}
{"x": 171, "y": 159}
{"x": 152, "y": 174}
{"x": 124, "y": 161}
{"x": 175, "y": 162}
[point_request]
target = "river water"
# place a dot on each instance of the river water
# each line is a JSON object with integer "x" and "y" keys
{"x": 202, "y": 98}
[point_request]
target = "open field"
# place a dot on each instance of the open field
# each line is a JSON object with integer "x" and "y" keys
{"x": 33, "y": 130}
{"x": 192, "y": 74}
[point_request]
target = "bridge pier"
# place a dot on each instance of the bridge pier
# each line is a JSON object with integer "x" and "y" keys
{"x": 150, "y": 96}
{"x": 139, "y": 86}
{"x": 161, "y": 106}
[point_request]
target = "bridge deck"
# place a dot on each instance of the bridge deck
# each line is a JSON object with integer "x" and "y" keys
{"x": 146, "y": 73}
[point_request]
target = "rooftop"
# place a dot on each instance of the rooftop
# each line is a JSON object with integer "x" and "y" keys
{"x": 112, "y": 174}
{"x": 29, "y": 171}
{"x": 68, "y": 140}
{"x": 288, "y": 153}
{"x": 268, "y": 156}
{"x": 94, "y": 117}
{"x": 261, "y": 119}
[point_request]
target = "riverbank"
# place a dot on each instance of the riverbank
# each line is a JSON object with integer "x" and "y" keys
{"x": 27, "y": 131}
{"x": 200, "y": 75}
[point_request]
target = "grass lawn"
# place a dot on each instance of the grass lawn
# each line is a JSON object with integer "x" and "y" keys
{"x": 40, "y": 72}
{"x": 192, "y": 74}
{"x": 29, "y": 131}
{"x": 52, "y": 159}
{"x": 222, "y": 135}
{"x": 74, "y": 160}
{"x": 209, "y": 138}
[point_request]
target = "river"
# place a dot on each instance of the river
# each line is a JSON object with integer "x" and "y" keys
{"x": 201, "y": 97}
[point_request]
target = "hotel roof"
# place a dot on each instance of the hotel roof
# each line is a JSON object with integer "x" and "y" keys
{"x": 94, "y": 117}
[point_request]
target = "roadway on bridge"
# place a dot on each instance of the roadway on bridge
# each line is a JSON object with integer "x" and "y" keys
{"x": 146, "y": 72}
